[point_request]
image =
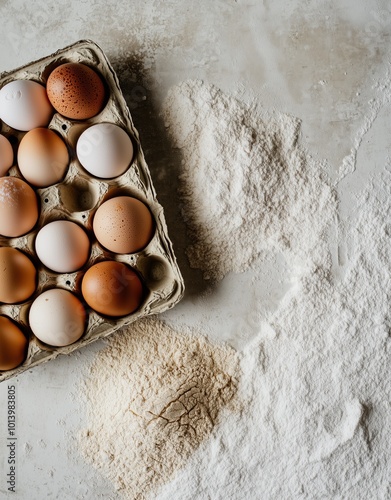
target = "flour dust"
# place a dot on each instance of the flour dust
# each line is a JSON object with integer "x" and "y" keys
{"x": 247, "y": 186}
{"x": 314, "y": 383}
{"x": 318, "y": 382}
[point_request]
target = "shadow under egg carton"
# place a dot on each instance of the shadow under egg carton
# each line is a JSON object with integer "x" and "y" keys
{"x": 77, "y": 198}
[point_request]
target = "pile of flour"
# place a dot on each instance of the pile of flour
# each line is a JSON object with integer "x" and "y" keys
{"x": 246, "y": 184}
{"x": 153, "y": 396}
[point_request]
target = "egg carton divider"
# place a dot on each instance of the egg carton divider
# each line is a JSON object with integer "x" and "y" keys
{"x": 77, "y": 198}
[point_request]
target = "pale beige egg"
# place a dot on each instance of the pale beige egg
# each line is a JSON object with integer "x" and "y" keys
{"x": 57, "y": 317}
{"x": 24, "y": 105}
{"x": 63, "y": 246}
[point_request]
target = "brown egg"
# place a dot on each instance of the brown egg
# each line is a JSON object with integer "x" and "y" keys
{"x": 43, "y": 157}
{"x": 13, "y": 344}
{"x": 76, "y": 91}
{"x": 18, "y": 207}
{"x": 112, "y": 288}
{"x": 18, "y": 276}
{"x": 123, "y": 225}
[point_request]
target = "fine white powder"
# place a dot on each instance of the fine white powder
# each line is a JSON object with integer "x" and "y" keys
{"x": 11, "y": 193}
{"x": 317, "y": 379}
{"x": 153, "y": 396}
{"x": 246, "y": 183}
{"x": 314, "y": 381}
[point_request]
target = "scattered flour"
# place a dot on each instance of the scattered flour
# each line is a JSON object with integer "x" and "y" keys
{"x": 153, "y": 396}
{"x": 246, "y": 183}
{"x": 11, "y": 193}
{"x": 376, "y": 104}
{"x": 318, "y": 384}
{"x": 314, "y": 382}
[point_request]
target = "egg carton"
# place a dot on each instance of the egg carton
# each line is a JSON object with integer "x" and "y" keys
{"x": 77, "y": 198}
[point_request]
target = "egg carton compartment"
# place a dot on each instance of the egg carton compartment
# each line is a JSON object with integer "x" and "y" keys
{"x": 76, "y": 198}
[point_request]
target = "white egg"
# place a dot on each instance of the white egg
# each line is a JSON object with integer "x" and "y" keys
{"x": 24, "y": 105}
{"x": 105, "y": 150}
{"x": 57, "y": 317}
{"x": 62, "y": 246}
{"x": 6, "y": 155}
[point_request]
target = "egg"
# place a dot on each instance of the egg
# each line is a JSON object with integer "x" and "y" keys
{"x": 6, "y": 155}
{"x": 62, "y": 246}
{"x": 13, "y": 344}
{"x": 123, "y": 225}
{"x": 57, "y": 317}
{"x": 18, "y": 207}
{"x": 43, "y": 157}
{"x": 24, "y": 105}
{"x": 112, "y": 288}
{"x": 105, "y": 150}
{"x": 18, "y": 276}
{"x": 76, "y": 91}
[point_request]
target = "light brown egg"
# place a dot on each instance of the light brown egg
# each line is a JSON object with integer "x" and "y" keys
{"x": 13, "y": 344}
{"x": 6, "y": 155}
{"x": 112, "y": 288}
{"x": 18, "y": 207}
{"x": 76, "y": 91}
{"x": 43, "y": 157}
{"x": 18, "y": 276}
{"x": 123, "y": 225}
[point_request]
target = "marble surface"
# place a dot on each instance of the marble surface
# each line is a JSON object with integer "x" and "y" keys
{"x": 315, "y": 60}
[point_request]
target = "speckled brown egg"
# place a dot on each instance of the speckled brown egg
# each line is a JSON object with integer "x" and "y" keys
{"x": 13, "y": 344}
{"x": 123, "y": 225}
{"x": 76, "y": 91}
{"x": 112, "y": 288}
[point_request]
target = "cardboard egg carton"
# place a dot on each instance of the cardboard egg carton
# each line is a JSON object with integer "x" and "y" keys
{"x": 76, "y": 199}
